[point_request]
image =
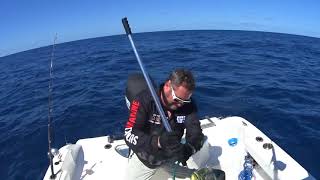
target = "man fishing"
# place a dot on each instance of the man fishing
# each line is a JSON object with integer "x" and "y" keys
{"x": 146, "y": 136}
{"x": 156, "y": 124}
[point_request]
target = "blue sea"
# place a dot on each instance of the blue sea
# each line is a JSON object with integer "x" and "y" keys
{"x": 271, "y": 79}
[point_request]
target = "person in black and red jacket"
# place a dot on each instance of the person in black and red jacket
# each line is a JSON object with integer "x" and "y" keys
{"x": 146, "y": 136}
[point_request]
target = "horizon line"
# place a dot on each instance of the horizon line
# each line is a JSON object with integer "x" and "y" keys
{"x": 260, "y": 31}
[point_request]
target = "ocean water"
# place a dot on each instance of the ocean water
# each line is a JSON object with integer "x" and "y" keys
{"x": 272, "y": 80}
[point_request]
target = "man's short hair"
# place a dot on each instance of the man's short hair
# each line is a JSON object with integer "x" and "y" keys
{"x": 182, "y": 77}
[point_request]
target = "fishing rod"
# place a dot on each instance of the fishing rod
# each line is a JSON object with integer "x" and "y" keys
{"x": 146, "y": 76}
{"x": 50, "y": 150}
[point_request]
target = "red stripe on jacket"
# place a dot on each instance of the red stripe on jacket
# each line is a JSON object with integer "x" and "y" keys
{"x": 133, "y": 114}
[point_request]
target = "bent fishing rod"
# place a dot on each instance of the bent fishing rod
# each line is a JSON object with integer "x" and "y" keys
{"x": 146, "y": 76}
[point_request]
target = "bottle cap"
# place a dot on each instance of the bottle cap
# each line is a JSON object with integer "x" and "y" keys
{"x": 233, "y": 141}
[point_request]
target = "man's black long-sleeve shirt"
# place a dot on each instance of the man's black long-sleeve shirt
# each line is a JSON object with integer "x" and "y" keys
{"x": 144, "y": 126}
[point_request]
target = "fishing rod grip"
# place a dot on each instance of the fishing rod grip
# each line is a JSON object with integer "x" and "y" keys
{"x": 126, "y": 25}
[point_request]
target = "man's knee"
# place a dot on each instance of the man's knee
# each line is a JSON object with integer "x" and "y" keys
{"x": 137, "y": 170}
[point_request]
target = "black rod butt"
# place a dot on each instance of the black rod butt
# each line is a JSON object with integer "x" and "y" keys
{"x": 126, "y": 25}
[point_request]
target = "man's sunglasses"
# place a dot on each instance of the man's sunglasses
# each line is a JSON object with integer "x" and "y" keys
{"x": 177, "y": 99}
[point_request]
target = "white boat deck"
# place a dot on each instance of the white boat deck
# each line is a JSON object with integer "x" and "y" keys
{"x": 99, "y": 162}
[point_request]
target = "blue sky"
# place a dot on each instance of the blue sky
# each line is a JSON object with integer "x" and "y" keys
{"x": 28, "y": 24}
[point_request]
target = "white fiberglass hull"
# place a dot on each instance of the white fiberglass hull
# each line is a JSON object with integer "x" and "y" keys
{"x": 101, "y": 158}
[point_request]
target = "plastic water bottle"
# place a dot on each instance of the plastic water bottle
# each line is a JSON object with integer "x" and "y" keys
{"x": 246, "y": 173}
